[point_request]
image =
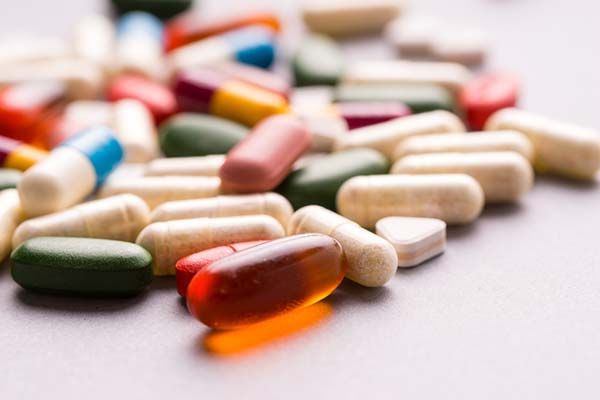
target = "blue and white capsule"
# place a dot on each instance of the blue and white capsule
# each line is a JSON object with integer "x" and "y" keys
{"x": 253, "y": 45}
{"x": 70, "y": 173}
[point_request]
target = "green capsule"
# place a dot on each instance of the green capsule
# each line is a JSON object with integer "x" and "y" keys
{"x": 419, "y": 97}
{"x": 163, "y": 9}
{"x": 190, "y": 135}
{"x": 9, "y": 178}
{"x": 318, "y": 61}
{"x": 81, "y": 266}
{"x": 318, "y": 182}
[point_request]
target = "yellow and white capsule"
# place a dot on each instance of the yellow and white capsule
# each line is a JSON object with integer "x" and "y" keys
{"x": 186, "y": 166}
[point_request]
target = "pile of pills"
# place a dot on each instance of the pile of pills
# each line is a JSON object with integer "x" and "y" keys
{"x": 164, "y": 145}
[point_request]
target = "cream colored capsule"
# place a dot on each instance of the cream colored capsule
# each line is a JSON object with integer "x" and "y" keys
{"x": 134, "y": 126}
{"x": 118, "y": 218}
{"x": 10, "y": 216}
{"x": 272, "y": 204}
{"x": 169, "y": 241}
{"x": 155, "y": 190}
{"x": 186, "y": 166}
{"x": 472, "y": 142}
{"x": 18, "y": 48}
{"x": 562, "y": 148}
{"x": 453, "y": 198}
{"x": 94, "y": 40}
{"x": 372, "y": 261}
{"x": 504, "y": 176}
{"x": 386, "y": 136}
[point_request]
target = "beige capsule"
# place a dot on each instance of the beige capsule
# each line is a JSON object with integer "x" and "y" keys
{"x": 453, "y": 198}
{"x": 186, "y": 166}
{"x": 10, "y": 216}
{"x": 272, "y": 204}
{"x": 372, "y": 261}
{"x": 386, "y": 136}
{"x": 135, "y": 129}
{"x": 155, "y": 190}
{"x": 117, "y": 218}
{"x": 504, "y": 176}
{"x": 562, "y": 148}
{"x": 472, "y": 142}
{"x": 167, "y": 242}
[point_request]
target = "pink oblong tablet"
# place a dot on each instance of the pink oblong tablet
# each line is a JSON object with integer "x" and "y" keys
{"x": 265, "y": 157}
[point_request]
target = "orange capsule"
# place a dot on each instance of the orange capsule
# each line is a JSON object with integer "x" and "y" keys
{"x": 266, "y": 280}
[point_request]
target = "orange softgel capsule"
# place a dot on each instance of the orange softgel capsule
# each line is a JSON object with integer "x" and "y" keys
{"x": 266, "y": 280}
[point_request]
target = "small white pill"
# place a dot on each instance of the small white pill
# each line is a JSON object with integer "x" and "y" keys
{"x": 186, "y": 166}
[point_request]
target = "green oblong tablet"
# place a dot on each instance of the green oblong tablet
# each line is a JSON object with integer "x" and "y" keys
{"x": 318, "y": 61}
{"x": 189, "y": 135}
{"x": 318, "y": 182}
{"x": 81, "y": 266}
{"x": 9, "y": 178}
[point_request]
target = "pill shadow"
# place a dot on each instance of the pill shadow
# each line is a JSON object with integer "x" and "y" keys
{"x": 502, "y": 210}
{"x": 570, "y": 184}
{"x": 420, "y": 268}
{"x": 351, "y": 293}
{"x": 163, "y": 283}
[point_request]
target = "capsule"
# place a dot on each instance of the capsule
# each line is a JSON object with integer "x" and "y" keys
{"x": 266, "y": 280}
{"x": 460, "y": 44}
{"x": 163, "y": 9}
{"x": 94, "y": 39}
{"x": 413, "y": 34}
{"x": 9, "y": 178}
{"x": 562, "y": 148}
{"x": 70, "y": 172}
{"x": 372, "y": 261}
{"x": 504, "y": 176}
{"x": 264, "y": 158}
{"x": 117, "y": 218}
{"x": 385, "y": 136}
{"x": 170, "y": 241}
{"x": 25, "y": 49}
{"x": 10, "y": 216}
{"x": 271, "y": 204}
{"x": 472, "y": 142}
{"x": 359, "y": 114}
{"x": 210, "y": 91}
{"x": 18, "y": 155}
{"x": 318, "y": 61}
{"x": 80, "y": 115}
{"x": 252, "y": 75}
{"x": 134, "y": 126}
{"x": 186, "y": 166}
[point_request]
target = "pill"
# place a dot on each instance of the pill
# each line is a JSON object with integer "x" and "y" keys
{"x": 213, "y": 92}
{"x": 267, "y": 280}
{"x": 162, "y": 9}
{"x": 265, "y": 157}
{"x": 157, "y": 97}
{"x": 307, "y": 99}
{"x": 9, "y": 178}
{"x": 386, "y": 136}
{"x": 360, "y": 114}
{"x": 170, "y": 241}
{"x": 118, "y": 218}
{"x": 486, "y": 94}
{"x": 18, "y": 155}
{"x": 191, "y": 27}
{"x": 22, "y": 48}
{"x": 253, "y": 45}
{"x": 271, "y": 204}
{"x": 140, "y": 45}
{"x": 504, "y": 176}
{"x": 186, "y": 166}
{"x": 70, "y": 172}
{"x": 372, "y": 261}
{"x": 349, "y": 17}
{"x": 472, "y": 142}
{"x": 413, "y": 34}
{"x": 135, "y": 129}
{"x": 81, "y": 266}
{"x": 260, "y": 77}
{"x": 324, "y": 128}
{"x": 10, "y": 216}
{"x": 190, "y": 135}
{"x": 94, "y": 39}
{"x": 80, "y": 115}
{"x": 187, "y": 267}
{"x": 453, "y": 198}
{"x": 318, "y": 61}
{"x": 418, "y": 97}
{"x": 416, "y": 240}
{"x": 318, "y": 182}
{"x": 459, "y": 43}
{"x": 452, "y": 76}
{"x": 562, "y": 148}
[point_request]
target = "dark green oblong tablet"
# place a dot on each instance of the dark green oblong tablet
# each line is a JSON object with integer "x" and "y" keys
{"x": 318, "y": 182}
{"x": 190, "y": 135}
{"x": 9, "y": 178}
{"x": 81, "y": 266}
{"x": 163, "y": 9}
{"x": 318, "y": 61}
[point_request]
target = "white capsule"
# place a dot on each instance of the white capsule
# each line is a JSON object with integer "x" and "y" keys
{"x": 18, "y": 49}
{"x": 204, "y": 52}
{"x": 94, "y": 40}
{"x": 84, "y": 114}
{"x": 459, "y": 44}
{"x": 10, "y": 216}
{"x": 134, "y": 126}
{"x": 562, "y": 148}
{"x": 186, "y": 166}
{"x": 413, "y": 34}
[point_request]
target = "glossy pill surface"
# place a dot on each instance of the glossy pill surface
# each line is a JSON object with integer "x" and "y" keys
{"x": 18, "y": 155}
{"x": 453, "y": 198}
{"x": 186, "y": 166}
{"x": 10, "y": 216}
{"x": 318, "y": 61}
{"x": 266, "y": 280}
{"x": 9, "y": 178}
{"x": 80, "y": 266}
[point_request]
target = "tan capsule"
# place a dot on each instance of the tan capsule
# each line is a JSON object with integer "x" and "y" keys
{"x": 186, "y": 166}
{"x": 372, "y": 261}
{"x": 453, "y": 198}
{"x": 10, "y": 216}
{"x": 472, "y": 142}
{"x": 134, "y": 126}
{"x": 272, "y": 204}
{"x": 117, "y": 218}
{"x": 386, "y": 136}
{"x": 155, "y": 190}
{"x": 565, "y": 149}
{"x": 504, "y": 176}
{"x": 169, "y": 241}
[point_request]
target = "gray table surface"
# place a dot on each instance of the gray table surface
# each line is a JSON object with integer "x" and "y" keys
{"x": 510, "y": 311}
